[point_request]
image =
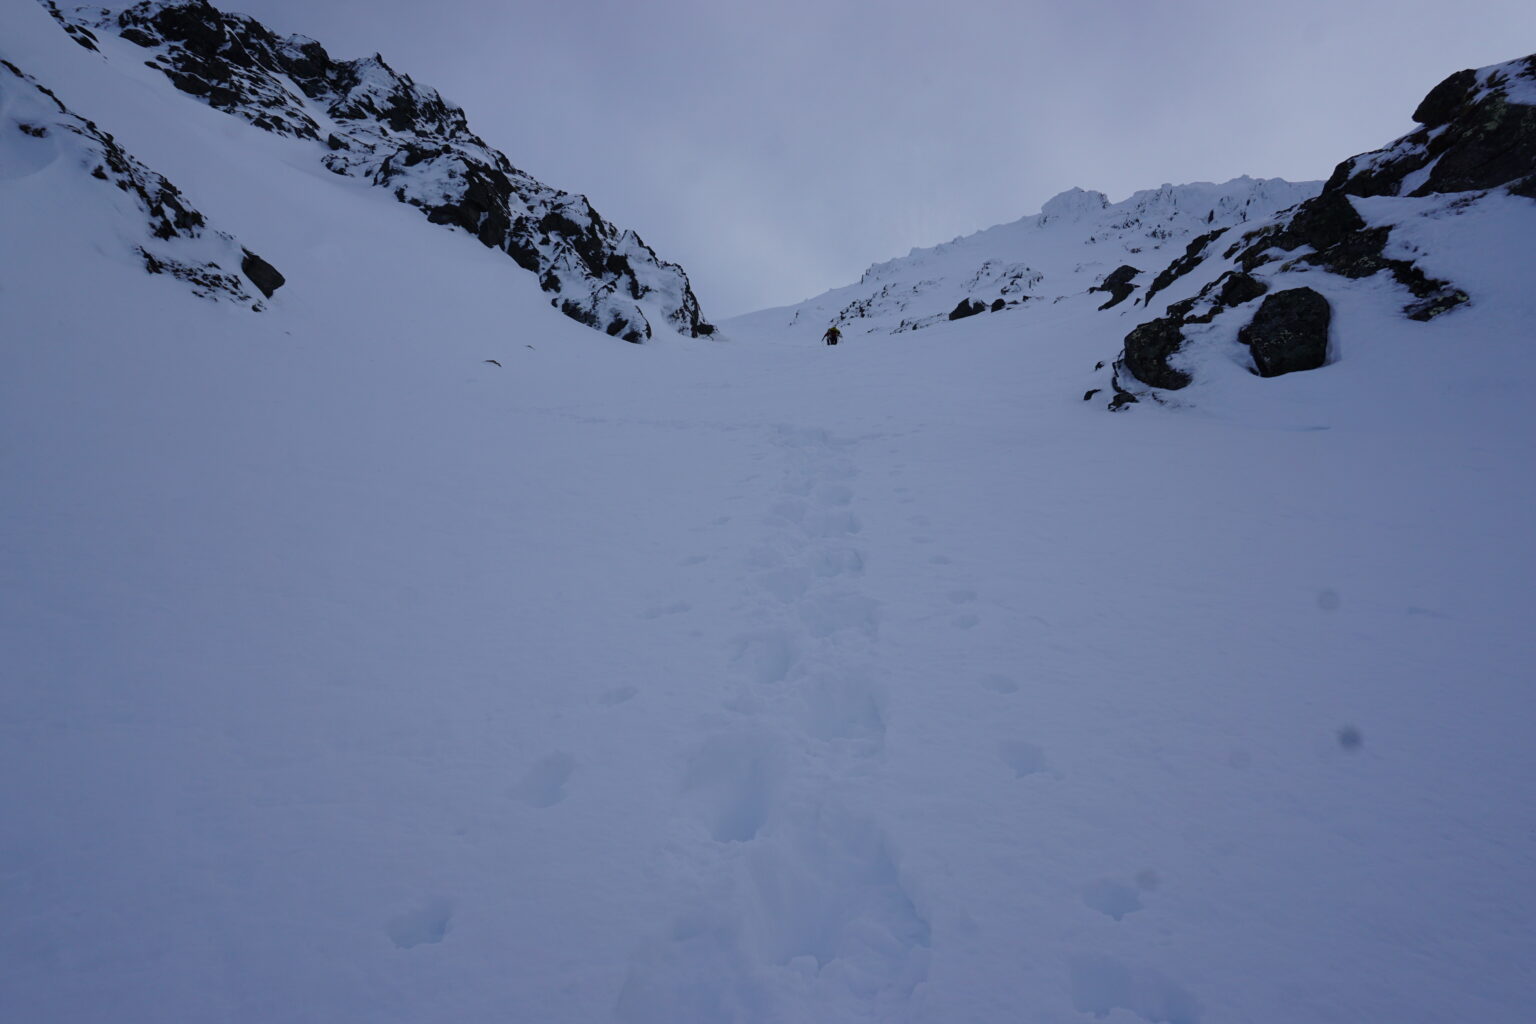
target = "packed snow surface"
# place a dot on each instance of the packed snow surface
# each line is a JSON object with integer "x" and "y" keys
{"x": 348, "y": 676}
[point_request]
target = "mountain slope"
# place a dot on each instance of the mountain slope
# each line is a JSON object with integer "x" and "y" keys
{"x": 1270, "y": 277}
{"x": 49, "y": 154}
{"x": 351, "y": 677}
{"x": 1430, "y": 214}
{"x": 1077, "y": 241}
{"x": 366, "y": 120}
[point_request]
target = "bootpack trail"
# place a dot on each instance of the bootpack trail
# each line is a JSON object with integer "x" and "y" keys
{"x": 408, "y": 652}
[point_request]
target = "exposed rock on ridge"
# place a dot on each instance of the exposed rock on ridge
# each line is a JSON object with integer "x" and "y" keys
{"x": 371, "y": 122}
{"x": 1477, "y": 133}
{"x": 176, "y": 238}
{"x": 1079, "y": 244}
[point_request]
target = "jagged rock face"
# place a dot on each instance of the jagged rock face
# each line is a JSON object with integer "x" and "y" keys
{"x": 1478, "y": 131}
{"x": 402, "y": 136}
{"x": 1232, "y": 288}
{"x": 1289, "y": 332}
{"x": 176, "y": 238}
{"x": 1342, "y": 243}
{"x": 1194, "y": 254}
{"x": 1235, "y": 288}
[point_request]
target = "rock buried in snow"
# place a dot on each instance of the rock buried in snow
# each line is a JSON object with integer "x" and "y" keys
{"x": 1289, "y": 332}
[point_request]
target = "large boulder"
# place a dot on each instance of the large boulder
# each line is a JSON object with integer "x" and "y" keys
{"x": 1289, "y": 332}
{"x": 1147, "y": 349}
{"x": 1446, "y": 98}
{"x": 261, "y": 273}
{"x": 967, "y": 308}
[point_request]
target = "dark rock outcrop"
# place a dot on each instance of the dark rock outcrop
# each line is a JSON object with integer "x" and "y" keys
{"x": 1121, "y": 400}
{"x": 1343, "y": 244}
{"x": 1289, "y": 332}
{"x": 1147, "y": 349}
{"x": 261, "y": 273}
{"x": 1232, "y": 288}
{"x": 1118, "y": 284}
{"x": 1445, "y": 99}
{"x": 393, "y": 133}
{"x": 967, "y": 308}
{"x": 1235, "y": 288}
{"x": 1194, "y": 255}
{"x": 1478, "y": 131}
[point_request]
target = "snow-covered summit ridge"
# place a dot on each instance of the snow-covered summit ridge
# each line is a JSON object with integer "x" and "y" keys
{"x": 1068, "y": 248}
{"x": 371, "y": 122}
{"x": 1073, "y": 204}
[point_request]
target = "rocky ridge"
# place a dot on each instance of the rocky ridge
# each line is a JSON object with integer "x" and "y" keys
{"x": 166, "y": 232}
{"x": 371, "y": 122}
{"x": 1476, "y": 140}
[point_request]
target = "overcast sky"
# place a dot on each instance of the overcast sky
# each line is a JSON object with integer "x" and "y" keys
{"x": 775, "y": 149}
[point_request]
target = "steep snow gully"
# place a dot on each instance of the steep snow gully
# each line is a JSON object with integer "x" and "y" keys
{"x": 404, "y": 651}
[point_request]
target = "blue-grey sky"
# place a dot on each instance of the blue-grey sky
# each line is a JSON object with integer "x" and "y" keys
{"x": 777, "y": 148}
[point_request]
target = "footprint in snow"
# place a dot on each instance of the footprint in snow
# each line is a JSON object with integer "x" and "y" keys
{"x": 999, "y": 684}
{"x": 618, "y": 695}
{"x": 676, "y": 608}
{"x": 424, "y": 925}
{"x": 544, "y": 785}
{"x": 1024, "y": 758}
{"x": 1103, "y": 984}
{"x": 1111, "y": 898}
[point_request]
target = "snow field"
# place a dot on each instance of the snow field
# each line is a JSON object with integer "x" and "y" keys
{"x": 351, "y": 677}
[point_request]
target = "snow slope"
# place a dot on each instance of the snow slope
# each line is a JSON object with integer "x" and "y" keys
{"x": 350, "y": 677}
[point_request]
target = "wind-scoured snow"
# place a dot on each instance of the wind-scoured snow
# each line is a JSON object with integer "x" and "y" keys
{"x": 349, "y": 676}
